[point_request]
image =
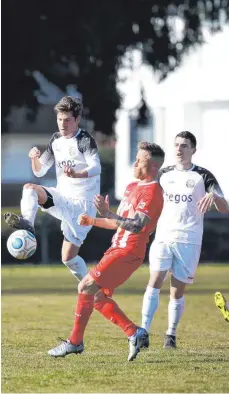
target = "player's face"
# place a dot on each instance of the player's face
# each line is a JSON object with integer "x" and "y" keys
{"x": 67, "y": 124}
{"x": 183, "y": 150}
{"x": 142, "y": 165}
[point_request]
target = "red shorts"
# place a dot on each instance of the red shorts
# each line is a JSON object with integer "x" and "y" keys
{"x": 116, "y": 266}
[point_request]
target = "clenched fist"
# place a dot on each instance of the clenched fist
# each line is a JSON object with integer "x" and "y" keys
{"x": 85, "y": 220}
{"x": 69, "y": 172}
{"x": 34, "y": 152}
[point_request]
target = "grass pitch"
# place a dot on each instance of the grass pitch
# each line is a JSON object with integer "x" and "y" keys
{"x": 38, "y": 306}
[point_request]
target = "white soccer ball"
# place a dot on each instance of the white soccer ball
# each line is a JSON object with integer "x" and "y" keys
{"x": 22, "y": 244}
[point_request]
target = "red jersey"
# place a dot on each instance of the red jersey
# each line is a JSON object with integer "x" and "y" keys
{"x": 146, "y": 198}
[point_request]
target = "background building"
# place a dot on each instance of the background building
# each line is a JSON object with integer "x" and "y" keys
{"x": 195, "y": 97}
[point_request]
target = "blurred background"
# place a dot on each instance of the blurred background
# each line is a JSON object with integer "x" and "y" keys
{"x": 145, "y": 70}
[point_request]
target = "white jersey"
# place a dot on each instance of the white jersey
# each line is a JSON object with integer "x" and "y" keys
{"x": 79, "y": 152}
{"x": 181, "y": 220}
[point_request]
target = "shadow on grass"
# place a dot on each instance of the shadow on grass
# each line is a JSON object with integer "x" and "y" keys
{"x": 73, "y": 290}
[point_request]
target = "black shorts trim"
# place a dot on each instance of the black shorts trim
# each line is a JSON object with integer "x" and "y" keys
{"x": 49, "y": 203}
{"x": 66, "y": 239}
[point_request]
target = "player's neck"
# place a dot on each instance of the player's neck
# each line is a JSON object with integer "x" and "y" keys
{"x": 147, "y": 180}
{"x": 184, "y": 166}
{"x": 72, "y": 134}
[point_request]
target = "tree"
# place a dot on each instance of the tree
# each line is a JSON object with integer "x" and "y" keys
{"x": 83, "y": 43}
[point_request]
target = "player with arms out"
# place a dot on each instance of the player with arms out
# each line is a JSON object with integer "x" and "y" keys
{"x": 189, "y": 192}
{"x": 75, "y": 155}
{"x": 136, "y": 218}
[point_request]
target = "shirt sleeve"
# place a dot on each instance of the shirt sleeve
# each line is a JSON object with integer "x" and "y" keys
{"x": 91, "y": 156}
{"x": 212, "y": 185}
{"x": 47, "y": 159}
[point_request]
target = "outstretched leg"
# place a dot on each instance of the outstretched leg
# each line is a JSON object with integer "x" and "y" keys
{"x": 32, "y": 196}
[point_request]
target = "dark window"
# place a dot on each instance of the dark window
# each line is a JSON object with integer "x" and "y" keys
{"x": 139, "y": 133}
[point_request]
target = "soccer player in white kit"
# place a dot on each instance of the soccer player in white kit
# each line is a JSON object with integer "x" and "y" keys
{"x": 189, "y": 192}
{"x": 75, "y": 154}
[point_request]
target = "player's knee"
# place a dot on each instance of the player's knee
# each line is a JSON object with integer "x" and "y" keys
{"x": 176, "y": 293}
{"x": 87, "y": 285}
{"x": 30, "y": 186}
{"x": 177, "y": 288}
{"x": 157, "y": 278}
{"x": 68, "y": 254}
{"x": 81, "y": 287}
{"x": 84, "y": 286}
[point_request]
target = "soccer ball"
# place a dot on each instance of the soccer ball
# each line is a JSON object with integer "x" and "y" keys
{"x": 21, "y": 244}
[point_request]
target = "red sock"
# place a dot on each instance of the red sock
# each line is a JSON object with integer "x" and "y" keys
{"x": 110, "y": 310}
{"x": 84, "y": 308}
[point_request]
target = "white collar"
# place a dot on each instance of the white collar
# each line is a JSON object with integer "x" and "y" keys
{"x": 189, "y": 169}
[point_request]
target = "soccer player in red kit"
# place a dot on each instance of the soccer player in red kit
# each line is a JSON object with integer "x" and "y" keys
{"x": 136, "y": 218}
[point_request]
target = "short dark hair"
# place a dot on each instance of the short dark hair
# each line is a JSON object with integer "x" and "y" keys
{"x": 67, "y": 104}
{"x": 155, "y": 150}
{"x": 189, "y": 136}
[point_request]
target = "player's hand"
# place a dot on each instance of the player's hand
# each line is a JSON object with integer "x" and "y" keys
{"x": 206, "y": 202}
{"x": 69, "y": 172}
{"x": 102, "y": 204}
{"x": 85, "y": 220}
{"x": 34, "y": 152}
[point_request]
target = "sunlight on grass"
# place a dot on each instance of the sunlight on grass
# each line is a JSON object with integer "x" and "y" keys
{"x": 38, "y": 306}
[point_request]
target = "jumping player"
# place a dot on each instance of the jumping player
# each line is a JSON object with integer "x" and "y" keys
{"x": 75, "y": 155}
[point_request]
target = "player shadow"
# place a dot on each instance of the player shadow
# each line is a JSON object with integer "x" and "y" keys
{"x": 73, "y": 290}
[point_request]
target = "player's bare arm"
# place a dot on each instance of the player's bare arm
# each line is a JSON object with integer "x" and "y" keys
{"x": 211, "y": 198}
{"x": 41, "y": 163}
{"x": 134, "y": 225}
{"x": 73, "y": 174}
{"x": 85, "y": 220}
{"x": 34, "y": 155}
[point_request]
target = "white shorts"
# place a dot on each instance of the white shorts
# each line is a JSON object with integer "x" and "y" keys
{"x": 68, "y": 210}
{"x": 179, "y": 258}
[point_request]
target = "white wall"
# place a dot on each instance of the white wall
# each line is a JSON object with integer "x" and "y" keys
{"x": 123, "y": 171}
{"x": 16, "y": 166}
{"x": 209, "y": 122}
{"x": 195, "y": 97}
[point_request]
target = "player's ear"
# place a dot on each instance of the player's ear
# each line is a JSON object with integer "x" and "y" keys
{"x": 107, "y": 199}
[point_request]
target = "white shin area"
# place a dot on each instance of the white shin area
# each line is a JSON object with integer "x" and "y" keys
{"x": 29, "y": 205}
{"x": 149, "y": 306}
{"x": 77, "y": 267}
{"x": 175, "y": 312}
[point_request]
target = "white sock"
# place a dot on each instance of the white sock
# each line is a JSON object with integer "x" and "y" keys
{"x": 175, "y": 309}
{"x": 29, "y": 205}
{"x": 149, "y": 306}
{"x": 77, "y": 267}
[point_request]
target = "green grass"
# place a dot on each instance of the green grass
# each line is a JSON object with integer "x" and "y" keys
{"x": 38, "y": 306}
